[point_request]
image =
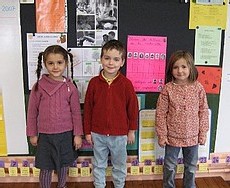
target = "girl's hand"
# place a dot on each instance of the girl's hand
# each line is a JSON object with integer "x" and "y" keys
{"x": 202, "y": 140}
{"x": 34, "y": 140}
{"x": 162, "y": 142}
{"x": 77, "y": 142}
{"x": 88, "y": 138}
{"x": 131, "y": 137}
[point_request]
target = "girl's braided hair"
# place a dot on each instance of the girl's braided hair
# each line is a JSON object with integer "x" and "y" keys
{"x": 56, "y": 49}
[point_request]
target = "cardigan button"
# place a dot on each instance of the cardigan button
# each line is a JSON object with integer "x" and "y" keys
{"x": 107, "y": 135}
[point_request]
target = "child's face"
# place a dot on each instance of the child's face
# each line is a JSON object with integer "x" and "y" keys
{"x": 55, "y": 65}
{"x": 111, "y": 62}
{"x": 181, "y": 71}
{"x": 111, "y": 36}
{"x": 105, "y": 38}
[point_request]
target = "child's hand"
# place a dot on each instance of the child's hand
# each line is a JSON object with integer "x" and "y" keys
{"x": 202, "y": 140}
{"x": 131, "y": 137}
{"x": 34, "y": 140}
{"x": 77, "y": 142}
{"x": 88, "y": 138}
{"x": 162, "y": 142}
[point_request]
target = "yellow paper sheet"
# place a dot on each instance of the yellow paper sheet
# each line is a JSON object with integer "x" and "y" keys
{"x": 207, "y": 15}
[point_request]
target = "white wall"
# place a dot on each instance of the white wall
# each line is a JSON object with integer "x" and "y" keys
{"x": 11, "y": 77}
{"x": 223, "y": 124}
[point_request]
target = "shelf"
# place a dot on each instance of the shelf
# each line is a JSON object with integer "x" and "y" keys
{"x": 211, "y": 170}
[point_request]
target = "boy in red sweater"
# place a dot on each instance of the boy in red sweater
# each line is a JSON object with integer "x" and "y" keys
{"x": 110, "y": 115}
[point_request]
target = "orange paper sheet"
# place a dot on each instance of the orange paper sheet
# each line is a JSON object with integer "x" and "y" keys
{"x": 50, "y": 15}
{"x": 210, "y": 78}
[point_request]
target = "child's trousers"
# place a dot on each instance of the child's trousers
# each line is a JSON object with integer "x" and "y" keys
{"x": 190, "y": 158}
{"x": 116, "y": 146}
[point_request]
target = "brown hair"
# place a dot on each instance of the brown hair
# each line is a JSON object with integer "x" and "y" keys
{"x": 190, "y": 62}
{"x": 114, "y": 44}
{"x": 56, "y": 49}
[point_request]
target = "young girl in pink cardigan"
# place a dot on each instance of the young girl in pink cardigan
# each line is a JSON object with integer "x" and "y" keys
{"x": 54, "y": 123}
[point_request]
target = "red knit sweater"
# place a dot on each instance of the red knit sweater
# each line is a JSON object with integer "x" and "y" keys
{"x": 110, "y": 109}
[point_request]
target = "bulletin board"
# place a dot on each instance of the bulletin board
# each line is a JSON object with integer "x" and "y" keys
{"x": 167, "y": 18}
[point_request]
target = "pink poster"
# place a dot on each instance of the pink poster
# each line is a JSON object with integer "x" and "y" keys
{"x": 146, "y": 60}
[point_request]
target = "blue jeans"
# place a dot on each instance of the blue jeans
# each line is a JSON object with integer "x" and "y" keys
{"x": 190, "y": 158}
{"x": 116, "y": 146}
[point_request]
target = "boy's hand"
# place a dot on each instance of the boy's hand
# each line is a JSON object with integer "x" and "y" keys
{"x": 34, "y": 140}
{"x": 88, "y": 138}
{"x": 131, "y": 137}
{"x": 77, "y": 142}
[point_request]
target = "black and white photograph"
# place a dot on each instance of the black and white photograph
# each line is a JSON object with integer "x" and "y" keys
{"x": 85, "y": 7}
{"x": 106, "y": 14}
{"x": 85, "y": 22}
{"x": 99, "y": 18}
{"x": 86, "y": 38}
{"x": 103, "y": 36}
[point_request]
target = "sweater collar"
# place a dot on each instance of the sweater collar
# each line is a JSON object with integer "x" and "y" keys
{"x": 102, "y": 77}
{"x": 109, "y": 80}
{"x": 50, "y": 86}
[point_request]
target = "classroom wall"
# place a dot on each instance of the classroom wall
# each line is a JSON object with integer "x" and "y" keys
{"x": 145, "y": 17}
{"x": 11, "y": 79}
{"x": 223, "y": 128}
{"x": 164, "y": 18}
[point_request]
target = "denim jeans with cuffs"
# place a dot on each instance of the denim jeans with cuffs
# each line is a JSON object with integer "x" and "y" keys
{"x": 190, "y": 159}
{"x": 116, "y": 147}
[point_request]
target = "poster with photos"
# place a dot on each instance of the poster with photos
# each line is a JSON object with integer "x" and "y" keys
{"x": 146, "y": 61}
{"x": 96, "y": 22}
